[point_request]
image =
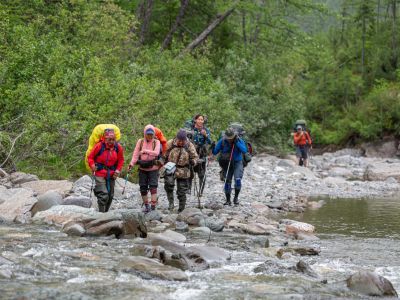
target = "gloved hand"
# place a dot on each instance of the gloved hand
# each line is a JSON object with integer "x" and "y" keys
{"x": 115, "y": 175}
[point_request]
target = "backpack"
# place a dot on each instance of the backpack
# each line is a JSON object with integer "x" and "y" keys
{"x": 241, "y": 133}
{"x": 303, "y": 124}
{"x": 97, "y": 135}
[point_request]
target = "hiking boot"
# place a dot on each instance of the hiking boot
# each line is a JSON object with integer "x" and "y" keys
{"x": 171, "y": 206}
{"x": 221, "y": 175}
{"x": 153, "y": 207}
{"x": 228, "y": 199}
{"x": 146, "y": 208}
{"x": 236, "y": 198}
{"x": 102, "y": 208}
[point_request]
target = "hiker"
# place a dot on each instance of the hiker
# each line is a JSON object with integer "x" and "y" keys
{"x": 302, "y": 141}
{"x": 146, "y": 155}
{"x": 201, "y": 138}
{"x": 106, "y": 160}
{"x": 180, "y": 154}
{"x": 232, "y": 148}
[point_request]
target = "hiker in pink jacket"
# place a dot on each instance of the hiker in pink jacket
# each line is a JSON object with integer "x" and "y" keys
{"x": 146, "y": 155}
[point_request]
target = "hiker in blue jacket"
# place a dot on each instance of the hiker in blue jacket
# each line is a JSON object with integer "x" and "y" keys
{"x": 231, "y": 149}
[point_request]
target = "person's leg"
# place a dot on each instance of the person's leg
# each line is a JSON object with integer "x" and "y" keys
{"x": 228, "y": 183}
{"x": 110, "y": 194}
{"x": 153, "y": 184}
{"x": 182, "y": 187}
{"x": 169, "y": 183}
{"x": 202, "y": 175}
{"x": 100, "y": 190}
{"x": 305, "y": 156}
{"x": 144, "y": 188}
{"x": 298, "y": 155}
{"x": 238, "y": 175}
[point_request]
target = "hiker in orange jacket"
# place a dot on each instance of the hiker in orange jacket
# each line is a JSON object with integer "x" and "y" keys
{"x": 302, "y": 141}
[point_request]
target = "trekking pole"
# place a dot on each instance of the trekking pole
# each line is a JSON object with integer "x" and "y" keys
{"x": 229, "y": 164}
{"x": 126, "y": 179}
{"x": 92, "y": 187}
{"x": 202, "y": 183}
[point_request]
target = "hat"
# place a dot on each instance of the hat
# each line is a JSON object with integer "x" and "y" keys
{"x": 149, "y": 131}
{"x": 230, "y": 133}
{"x": 181, "y": 135}
{"x": 109, "y": 133}
{"x": 299, "y": 127}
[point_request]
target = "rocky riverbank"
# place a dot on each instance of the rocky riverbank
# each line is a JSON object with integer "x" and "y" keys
{"x": 166, "y": 246}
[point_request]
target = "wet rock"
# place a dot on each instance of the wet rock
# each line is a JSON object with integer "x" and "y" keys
{"x": 148, "y": 269}
{"x": 181, "y": 226}
{"x": 201, "y": 231}
{"x": 60, "y": 214}
{"x": 257, "y": 229}
{"x": 294, "y": 227}
{"x": 211, "y": 254}
{"x": 380, "y": 171}
{"x": 153, "y": 215}
{"x": 46, "y": 200}
{"x": 77, "y": 200}
{"x": 16, "y": 205}
{"x": 315, "y": 204}
{"x": 74, "y": 230}
{"x": 303, "y": 267}
{"x": 271, "y": 267}
{"x": 20, "y": 177}
{"x": 276, "y": 204}
{"x": 215, "y": 224}
{"x": 303, "y": 251}
{"x": 42, "y": 186}
{"x": 190, "y": 215}
{"x": 5, "y": 273}
{"x": 372, "y": 284}
{"x": 45, "y": 293}
{"x": 170, "y": 235}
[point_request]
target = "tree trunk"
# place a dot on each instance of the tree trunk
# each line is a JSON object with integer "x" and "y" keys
{"x": 244, "y": 28}
{"x": 147, "y": 11}
{"x": 178, "y": 22}
{"x": 394, "y": 38}
{"x": 210, "y": 28}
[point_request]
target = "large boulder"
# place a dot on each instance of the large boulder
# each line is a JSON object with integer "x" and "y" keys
{"x": 384, "y": 149}
{"x": 148, "y": 269}
{"x": 46, "y": 200}
{"x": 295, "y": 227}
{"x": 380, "y": 171}
{"x": 372, "y": 284}
{"x": 77, "y": 200}
{"x": 16, "y": 204}
{"x": 42, "y": 186}
{"x": 20, "y": 177}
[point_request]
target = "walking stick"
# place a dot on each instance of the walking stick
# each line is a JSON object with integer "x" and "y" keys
{"x": 92, "y": 187}
{"x": 126, "y": 179}
{"x": 227, "y": 170}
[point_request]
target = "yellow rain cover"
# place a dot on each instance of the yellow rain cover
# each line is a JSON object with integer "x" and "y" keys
{"x": 96, "y": 136}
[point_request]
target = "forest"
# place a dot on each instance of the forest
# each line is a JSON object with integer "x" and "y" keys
{"x": 68, "y": 65}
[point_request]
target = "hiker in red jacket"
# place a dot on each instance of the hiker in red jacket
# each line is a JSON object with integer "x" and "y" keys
{"x": 302, "y": 141}
{"x": 106, "y": 160}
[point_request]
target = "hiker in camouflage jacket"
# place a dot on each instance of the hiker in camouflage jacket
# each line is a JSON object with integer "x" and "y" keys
{"x": 183, "y": 153}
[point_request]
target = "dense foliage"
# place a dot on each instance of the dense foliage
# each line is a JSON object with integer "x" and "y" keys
{"x": 67, "y": 65}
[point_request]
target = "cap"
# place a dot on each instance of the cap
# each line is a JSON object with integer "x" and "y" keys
{"x": 230, "y": 133}
{"x": 181, "y": 135}
{"x": 150, "y": 131}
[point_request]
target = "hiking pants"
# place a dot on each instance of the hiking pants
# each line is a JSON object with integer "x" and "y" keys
{"x": 148, "y": 180}
{"x": 302, "y": 151}
{"x": 181, "y": 190}
{"x": 236, "y": 171}
{"x": 104, "y": 197}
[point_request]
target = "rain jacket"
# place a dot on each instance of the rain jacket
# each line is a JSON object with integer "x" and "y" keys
{"x": 151, "y": 154}
{"x": 109, "y": 159}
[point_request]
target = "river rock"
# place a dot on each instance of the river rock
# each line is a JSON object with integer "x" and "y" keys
{"x": 385, "y": 149}
{"x": 305, "y": 268}
{"x": 294, "y": 227}
{"x": 77, "y": 200}
{"x": 181, "y": 226}
{"x": 5, "y": 273}
{"x": 201, "y": 231}
{"x": 153, "y": 215}
{"x": 148, "y": 268}
{"x": 42, "y": 186}
{"x": 83, "y": 186}
{"x": 74, "y": 230}
{"x": 332, "y": 181}
{"x": 20, "y": 177}
{"x": 169, "y": 235}
{"x": 16, "y": 204}
{"x": 60, "y": 214}
{"x": 380, "y": 171}
{"x": 211, "y": 254}
{"x": 260, "y": 208}
{"x": 286, "y": 163}
{"x": 46, "y": 200}
{"x": 340, "y": 172}
{"x": 215, "y": 224}
{"x": 370, "y": 283}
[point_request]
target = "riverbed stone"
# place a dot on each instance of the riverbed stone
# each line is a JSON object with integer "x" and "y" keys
{"x": 74, "y": 230}
{"x": 148, "y": 268}
{"x": 215, "y": 224}
{"x": 294, "y": 227}
{"x": 42, "y": 186}
{"x": 16, "y": 204}
{"x": 20, "y": 178}
{"x": 169, "y": 235}
{"x": 77, "y": 200}
{"x": 370, "y": 283}
{"x": 46, "y": 200}
{"x": 380, "y": 171}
